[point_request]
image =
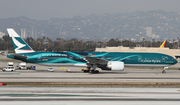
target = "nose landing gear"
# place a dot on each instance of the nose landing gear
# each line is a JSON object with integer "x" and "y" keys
{"x": 164, "y": 69}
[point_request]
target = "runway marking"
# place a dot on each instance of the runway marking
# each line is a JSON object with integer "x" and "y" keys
{"x": 85, "y": 99}
{"x": 38, "y": 95}
{"x": 51, "y": 95}
{"x": 90, "y": 78}
{"x": 10, "y": 74}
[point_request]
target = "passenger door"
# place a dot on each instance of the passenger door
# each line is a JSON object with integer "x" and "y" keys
{"x": 164, "y": 59}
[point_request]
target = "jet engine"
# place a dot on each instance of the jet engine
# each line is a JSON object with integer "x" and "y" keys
{"x": 115, "y": 65}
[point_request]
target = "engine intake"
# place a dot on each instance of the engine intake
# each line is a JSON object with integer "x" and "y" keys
{"x": 115, "y": 65}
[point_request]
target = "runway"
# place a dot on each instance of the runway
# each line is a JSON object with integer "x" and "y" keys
{"x": 88, "y": 94}
{"x": 75, "y": 74}
{"x": 91, "y": 103}
{"x": 129, "y": 75}
{"x": 67, "y": 95}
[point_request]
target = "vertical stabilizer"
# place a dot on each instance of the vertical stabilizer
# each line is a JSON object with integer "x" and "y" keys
{"x": 163, "y": 45}
{"x": 20, "y": 46}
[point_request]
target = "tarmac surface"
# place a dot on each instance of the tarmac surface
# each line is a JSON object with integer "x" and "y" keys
{"x": 75, "y": 74}
{"x": 88, "y": 96}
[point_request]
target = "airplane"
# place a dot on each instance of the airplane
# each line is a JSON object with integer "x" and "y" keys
{"x": 115, "y": 61}
{"x": 163, "y": 45}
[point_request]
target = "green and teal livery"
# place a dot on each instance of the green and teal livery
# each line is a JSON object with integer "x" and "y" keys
{"x": 91, "y": 60}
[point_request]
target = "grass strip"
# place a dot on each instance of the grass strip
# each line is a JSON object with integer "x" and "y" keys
{"x": 90, "y": 84}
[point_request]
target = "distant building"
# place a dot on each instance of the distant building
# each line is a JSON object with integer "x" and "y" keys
{"x": 24, "y": 33}
{"x": 28, "y": 33}
{"x": 1, "y": 34}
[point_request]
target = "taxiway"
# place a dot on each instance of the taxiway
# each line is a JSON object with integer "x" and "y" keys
{"x": 89, "y": 96}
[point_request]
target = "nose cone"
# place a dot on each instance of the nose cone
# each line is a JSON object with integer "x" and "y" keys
{"x": 175, "y": 61}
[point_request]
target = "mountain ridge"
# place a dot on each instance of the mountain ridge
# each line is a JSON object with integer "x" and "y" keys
{"x": 165, "y": 25}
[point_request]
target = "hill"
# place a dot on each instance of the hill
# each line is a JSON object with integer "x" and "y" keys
{"x": 101, "y": 26}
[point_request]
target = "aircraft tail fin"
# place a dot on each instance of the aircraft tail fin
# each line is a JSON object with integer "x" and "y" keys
{"x": 20, "y": 46}
{"x": 163, "y": 45}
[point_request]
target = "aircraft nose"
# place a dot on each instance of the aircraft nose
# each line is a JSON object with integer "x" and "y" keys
{"x": 175, "y": 61}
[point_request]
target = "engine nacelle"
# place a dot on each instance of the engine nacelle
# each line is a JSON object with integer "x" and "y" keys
{"x": 115, "y": 65}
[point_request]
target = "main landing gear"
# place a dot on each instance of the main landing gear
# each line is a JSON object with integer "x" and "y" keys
{"x": 164, "y": 69}
{"x": 94, "y": 71}
{"x": 91, "y": 69}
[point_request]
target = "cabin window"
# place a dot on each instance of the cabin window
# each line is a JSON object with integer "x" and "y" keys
{"x": 157, "y": 58}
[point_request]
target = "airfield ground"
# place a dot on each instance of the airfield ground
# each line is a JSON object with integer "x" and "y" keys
{"x": 142, "y": 86}
{"x": 73, "y": 76}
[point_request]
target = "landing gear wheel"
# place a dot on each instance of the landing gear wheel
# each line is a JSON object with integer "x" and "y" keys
{"x": 163, "y": 71}
{"x": 93, "y": 71}
{"x": 96, "y": 71}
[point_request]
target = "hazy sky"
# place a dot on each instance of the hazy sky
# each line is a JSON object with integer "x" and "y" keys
{"x": 46, "y": 9}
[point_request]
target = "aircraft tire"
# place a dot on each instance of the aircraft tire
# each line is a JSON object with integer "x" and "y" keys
{"x": 163, "y": 71}
{"x": 92, "y": 71}
{"x": 97, "y": 71}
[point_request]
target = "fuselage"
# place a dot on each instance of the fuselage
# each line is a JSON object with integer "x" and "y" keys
{"x": 77, "y": 58}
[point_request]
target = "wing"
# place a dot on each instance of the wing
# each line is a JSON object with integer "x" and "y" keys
{"x": 97, "y": 61}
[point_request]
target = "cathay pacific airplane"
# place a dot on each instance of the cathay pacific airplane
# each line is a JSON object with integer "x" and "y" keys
{"x": 92, "y": 60}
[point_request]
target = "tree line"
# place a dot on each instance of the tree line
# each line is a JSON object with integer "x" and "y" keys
{"x": 60, "y": 44}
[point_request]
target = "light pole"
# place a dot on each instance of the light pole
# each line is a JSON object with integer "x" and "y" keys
{"x": 129, "y": 42}
{"x": 95, "y": 41}
{"x": 7, "y": 46}
{"x": 144, "y": 40}
{"x": 121, "y": 40}
{"x": 178, "y": 42}
{"x": 151, "y": 41}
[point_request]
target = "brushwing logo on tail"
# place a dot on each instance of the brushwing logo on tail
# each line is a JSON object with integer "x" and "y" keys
{"x": 18, "y": 42}
{"x": 20, "y": 46}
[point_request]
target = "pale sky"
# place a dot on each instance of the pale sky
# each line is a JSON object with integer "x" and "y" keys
{"x": 46, "y": 9}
